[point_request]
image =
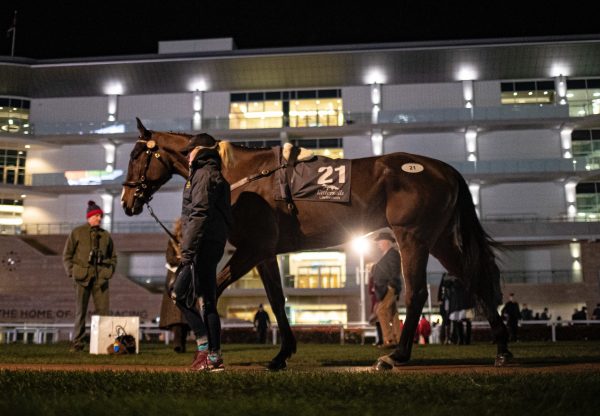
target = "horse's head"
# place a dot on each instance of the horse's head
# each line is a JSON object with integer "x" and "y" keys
{"x": 151, "y": 164}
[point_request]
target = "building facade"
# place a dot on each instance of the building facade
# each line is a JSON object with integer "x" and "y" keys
{"x": 519, "y": 119}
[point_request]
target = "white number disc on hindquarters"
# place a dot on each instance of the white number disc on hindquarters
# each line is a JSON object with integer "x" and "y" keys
{"x": 412, "y": 167}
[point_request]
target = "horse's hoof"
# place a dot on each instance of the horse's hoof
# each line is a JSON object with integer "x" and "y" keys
{"x": 503, "y": 359}
{"x": 384, "y": 363}
{"x": 277, "y": 365}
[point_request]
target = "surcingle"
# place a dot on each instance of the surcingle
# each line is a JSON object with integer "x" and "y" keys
{"x": 313, "y": 178}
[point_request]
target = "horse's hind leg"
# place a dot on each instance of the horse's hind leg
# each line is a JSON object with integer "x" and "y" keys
{"x": 449, "y": 256}
{"x": 414, "y": 255}
{"x": 269, "y": 273}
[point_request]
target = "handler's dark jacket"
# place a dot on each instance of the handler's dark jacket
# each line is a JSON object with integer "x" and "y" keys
{"x": 386, "y": 272}
{"x": 206, "y": 210}
{"x": 76, "y": 255}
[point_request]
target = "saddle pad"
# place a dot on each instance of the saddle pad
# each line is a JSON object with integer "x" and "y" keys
{"x": 320, "y": 179}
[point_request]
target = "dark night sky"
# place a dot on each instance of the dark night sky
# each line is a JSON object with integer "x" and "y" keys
{"x": 63, "y": 29}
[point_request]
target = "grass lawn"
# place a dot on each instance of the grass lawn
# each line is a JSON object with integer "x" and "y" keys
{"x": 305, "y": 388}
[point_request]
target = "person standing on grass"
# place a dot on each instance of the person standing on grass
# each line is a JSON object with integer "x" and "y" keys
{"x": 526, "y": 313}
{"x": 206, "y": 218}
{"x": 512, "y": 315}
{"x": 423, "y": 330}
{"x": 596, "y": 313}
{"x": 386, "y": 279}
{"x": 90, "y": 259}
{"x": 261, "y": 324}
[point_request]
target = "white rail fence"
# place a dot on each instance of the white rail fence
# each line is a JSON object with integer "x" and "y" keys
{"x": 39, "y": 333}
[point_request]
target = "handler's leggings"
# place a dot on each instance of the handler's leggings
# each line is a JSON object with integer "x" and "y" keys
{"x": 208, "y": 322}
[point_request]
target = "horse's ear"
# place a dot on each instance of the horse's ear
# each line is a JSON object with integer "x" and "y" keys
{"x": 143, "y": 131}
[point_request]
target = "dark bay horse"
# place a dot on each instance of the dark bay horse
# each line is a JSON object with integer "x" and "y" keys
{"x": 425, "y": 202}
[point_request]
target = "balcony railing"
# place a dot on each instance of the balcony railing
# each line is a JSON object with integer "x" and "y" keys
{"x": 477, "y": 114}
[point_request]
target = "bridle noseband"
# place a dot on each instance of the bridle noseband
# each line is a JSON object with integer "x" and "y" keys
{"x": 142, "y": 184}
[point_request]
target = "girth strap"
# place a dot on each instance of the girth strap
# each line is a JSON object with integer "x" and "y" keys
{"x": 286, "y": 179}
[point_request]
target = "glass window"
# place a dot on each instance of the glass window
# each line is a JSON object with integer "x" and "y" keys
{"x": 317, "y": 112}
{"x": 14, "y": 115}
{"x": 583, "y": 96}
{"x": 309, "y": 108}
{"x": 588, "y": 200}
{"x": 317, "y": 270}
{"x": 586, "y": 143}
{"x": 530, "y": 92}
{"x": 318, "y": 314}
{"x": 256, "y": 115}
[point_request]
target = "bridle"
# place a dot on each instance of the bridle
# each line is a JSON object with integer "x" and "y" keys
{"x": 142, "y": 184}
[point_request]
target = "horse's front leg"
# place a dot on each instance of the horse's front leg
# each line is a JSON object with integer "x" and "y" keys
{"x": 240, "y": 263}
{"x": 271, "y": 278}
{"x": 414, "y": 270}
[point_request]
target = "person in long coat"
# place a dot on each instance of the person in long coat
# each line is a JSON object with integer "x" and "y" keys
{"x": 206, "y": 219}
{"x": 171, "y": 317}
{"x": 388, "y": 284}
{"x": 90, "y": 259}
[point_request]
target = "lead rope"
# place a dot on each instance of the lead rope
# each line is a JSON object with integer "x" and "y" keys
{"x": 169, "y": 233}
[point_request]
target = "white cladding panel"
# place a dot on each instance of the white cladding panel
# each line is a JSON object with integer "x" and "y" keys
{"x": 216, "y": 105}
{"x": 486, "y": 93}
{"x": 155, "y": 107}
{"x": 73, "y": 109}
{"x": 519, "y": 144}
{"x": 357, "y": 99}
{"x": 523, "y": 199}
{"x": 166, "y": 206}
{"x": 75, "y": 157}
{"x": 357, "y": 146}
{"x": 449, "y": 147}
{"x": 63, "y": 209}
{"x": 72, "y": 208}
{"x": 536, "y": 258}
{"x": 422, "y": 96}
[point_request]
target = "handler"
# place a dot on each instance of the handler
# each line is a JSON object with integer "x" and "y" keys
{"x": 206, "y": 219}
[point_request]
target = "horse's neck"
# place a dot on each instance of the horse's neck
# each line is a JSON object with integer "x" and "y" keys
{"x": 174, "y": 145}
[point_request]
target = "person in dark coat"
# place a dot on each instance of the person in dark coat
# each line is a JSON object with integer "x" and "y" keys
{"x": 388, "y": 284}
{"x": 373, "y": 317}
{"x": 526, "y": 313}
{"x": 454, "y": 302}
{"x": 206, "y": 219}
{"x": 512, "y": 314}
{"x": 171, "y": 318}
{"x": 596, "y": 313}
{"x": 262, "y": 322}
{"x": 90, "y": 259}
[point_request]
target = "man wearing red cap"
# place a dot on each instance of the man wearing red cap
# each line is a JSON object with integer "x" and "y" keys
{"x": 90, "y": 259}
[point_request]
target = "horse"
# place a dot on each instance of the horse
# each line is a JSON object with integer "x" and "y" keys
{"x": 425, "y": 202}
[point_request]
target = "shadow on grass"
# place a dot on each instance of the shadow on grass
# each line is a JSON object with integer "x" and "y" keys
{"x": 521, "y": 362}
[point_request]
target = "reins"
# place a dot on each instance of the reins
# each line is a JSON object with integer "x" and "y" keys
{"x": 252, "y": 178}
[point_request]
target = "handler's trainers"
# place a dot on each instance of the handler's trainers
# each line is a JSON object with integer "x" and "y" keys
{"x": 214, "y": 363}
{"x": 200, "y": 359}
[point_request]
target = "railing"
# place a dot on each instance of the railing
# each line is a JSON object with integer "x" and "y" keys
{"x": 66, "y": 227}
{"x": 476, "y": 114}
{"x": 43, "y": 333}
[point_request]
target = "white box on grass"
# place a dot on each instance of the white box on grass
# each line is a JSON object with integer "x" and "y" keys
{"x": 104, "y": 330}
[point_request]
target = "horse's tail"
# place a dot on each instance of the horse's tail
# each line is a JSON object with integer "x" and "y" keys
{"x": 226, "y": 153}
{"x": 480, "y": 272}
